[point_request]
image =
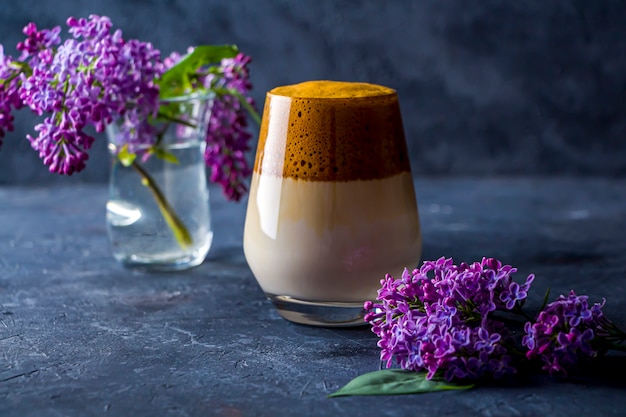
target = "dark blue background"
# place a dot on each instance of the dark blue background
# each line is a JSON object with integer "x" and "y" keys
{"x": 486, "y": 87}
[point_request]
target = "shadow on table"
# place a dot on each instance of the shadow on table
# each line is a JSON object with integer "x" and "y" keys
{"x": 601, "y": 372}
{"x": 227, "y": 254}
{"x": 608, "y": 370}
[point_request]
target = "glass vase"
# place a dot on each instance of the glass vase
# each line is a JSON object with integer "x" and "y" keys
{"x": 158, "y": 214}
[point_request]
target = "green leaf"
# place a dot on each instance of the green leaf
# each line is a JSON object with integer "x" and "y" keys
{"x": 395, "y": 382}
{"x": 545, "y": 299}
{"x": 177, "y": 80}
{"x": 126, "y": 158}
{"x": 165, "y": 155}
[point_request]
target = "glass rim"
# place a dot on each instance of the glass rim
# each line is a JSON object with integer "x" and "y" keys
{"x": 197, "y": 95}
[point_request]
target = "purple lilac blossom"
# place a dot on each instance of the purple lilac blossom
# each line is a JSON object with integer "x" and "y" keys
{"x": 96, "y": 78}
{"x": 437, "y": 318}
{"x": 9, "y": 96}
{"x": 90, "y": 80}
{"x": 227, "y": 138}
{"x": 38, "y": 44}
{"x": 565, "y": 332}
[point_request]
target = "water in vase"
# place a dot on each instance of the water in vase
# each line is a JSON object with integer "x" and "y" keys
{"x": 138, "y": 232}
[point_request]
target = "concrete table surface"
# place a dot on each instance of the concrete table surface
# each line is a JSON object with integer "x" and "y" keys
{"x": 82, "y": 336}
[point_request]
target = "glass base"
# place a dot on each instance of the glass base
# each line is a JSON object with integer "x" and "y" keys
{"x": 319, "y": 313}
{"x": 152, "y": 264}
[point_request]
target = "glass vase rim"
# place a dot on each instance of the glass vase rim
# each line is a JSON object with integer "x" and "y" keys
{"x": 196, "y": 95}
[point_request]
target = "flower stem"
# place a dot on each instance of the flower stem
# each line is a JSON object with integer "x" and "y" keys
{"x": 182, "y": 235}
{"x": 253, "y": 113}
{"x": 519, "y": 311}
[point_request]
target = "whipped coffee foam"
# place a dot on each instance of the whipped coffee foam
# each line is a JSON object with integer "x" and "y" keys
{"x": 332, "y": 131}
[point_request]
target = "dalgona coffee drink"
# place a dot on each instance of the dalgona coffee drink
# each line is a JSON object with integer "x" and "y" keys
{"x": 332, "y": 206}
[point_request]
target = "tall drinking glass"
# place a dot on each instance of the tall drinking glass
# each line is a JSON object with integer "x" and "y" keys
{"x": 332, "y": 205}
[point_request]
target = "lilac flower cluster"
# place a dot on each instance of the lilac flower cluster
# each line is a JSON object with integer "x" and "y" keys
{"x": 448, "y": 320}
{"x": 9, "y": 96}
{"x": 439, "y": 318}
{"x": 90, "y": 80}
{"x": 566, "y": 332}
{"x": 228, "y": 138}
{"x": 96, "y": 78}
